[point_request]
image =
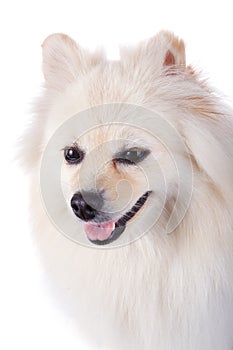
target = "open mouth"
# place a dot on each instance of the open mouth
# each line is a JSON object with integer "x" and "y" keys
{"x": 108, "y": 232}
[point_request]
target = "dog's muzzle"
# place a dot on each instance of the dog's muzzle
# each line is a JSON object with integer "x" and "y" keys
{"x": 86, "y": 205}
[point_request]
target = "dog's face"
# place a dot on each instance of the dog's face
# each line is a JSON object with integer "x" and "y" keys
{"x": 128, "y": 164}
{"x": 119, "y": 177}
{"x": 108, "y": 174}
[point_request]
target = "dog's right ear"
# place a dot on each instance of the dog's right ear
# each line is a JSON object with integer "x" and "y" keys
{"x": 64, "y": 61}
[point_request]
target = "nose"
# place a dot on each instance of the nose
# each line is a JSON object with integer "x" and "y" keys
{"x": 86, "y": 205}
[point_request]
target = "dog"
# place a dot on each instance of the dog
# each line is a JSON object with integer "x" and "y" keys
{"x": 131, "y": 187}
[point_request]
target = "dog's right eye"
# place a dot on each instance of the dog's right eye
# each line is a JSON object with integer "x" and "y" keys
{"x": 73, "y": 155}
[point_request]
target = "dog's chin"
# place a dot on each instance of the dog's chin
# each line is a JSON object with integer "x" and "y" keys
{"x": 114, "y": 229}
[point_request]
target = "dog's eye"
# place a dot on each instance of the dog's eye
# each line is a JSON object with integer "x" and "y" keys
{"x": 132, "y": 156}
{"x": 73, "y": 155}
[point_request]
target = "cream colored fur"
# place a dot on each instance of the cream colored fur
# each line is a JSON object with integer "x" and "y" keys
{"x": 164, "y": 291}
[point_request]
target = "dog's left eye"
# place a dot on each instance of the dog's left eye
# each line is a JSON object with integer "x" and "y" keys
{"x": 132, "y": 156}
{"x": 73, "y": 155}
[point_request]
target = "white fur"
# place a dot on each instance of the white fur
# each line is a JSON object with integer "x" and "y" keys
{"x": 165, "y": 292}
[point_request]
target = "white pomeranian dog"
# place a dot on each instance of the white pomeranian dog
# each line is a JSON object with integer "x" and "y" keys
{"x": 131, "y": 172}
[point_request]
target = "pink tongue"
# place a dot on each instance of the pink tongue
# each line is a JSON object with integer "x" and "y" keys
{"x": 100, "y": 231}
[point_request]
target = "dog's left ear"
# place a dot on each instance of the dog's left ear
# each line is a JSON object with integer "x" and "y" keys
{"x": 172, "y": 50}
{"x": 64, "y": 61}
{"x": 162, "y": 54}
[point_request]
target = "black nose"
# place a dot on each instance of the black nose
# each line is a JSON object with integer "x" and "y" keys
{"x": 86, "y": 205}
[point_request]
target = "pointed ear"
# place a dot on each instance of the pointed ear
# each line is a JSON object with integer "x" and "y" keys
{"x": 163, "y": 53}
{"x": 64, "y": 61}
{"x": 172, "y": 50}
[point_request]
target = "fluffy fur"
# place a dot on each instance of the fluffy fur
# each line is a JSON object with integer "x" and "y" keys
{"x": 163, "y": 291}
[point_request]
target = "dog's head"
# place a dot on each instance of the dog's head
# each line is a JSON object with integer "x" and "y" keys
{"x": 143, "y": 125}
{"x": 110, "y": 174}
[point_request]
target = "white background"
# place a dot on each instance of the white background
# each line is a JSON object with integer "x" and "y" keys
{"x": 29, "y": 318}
